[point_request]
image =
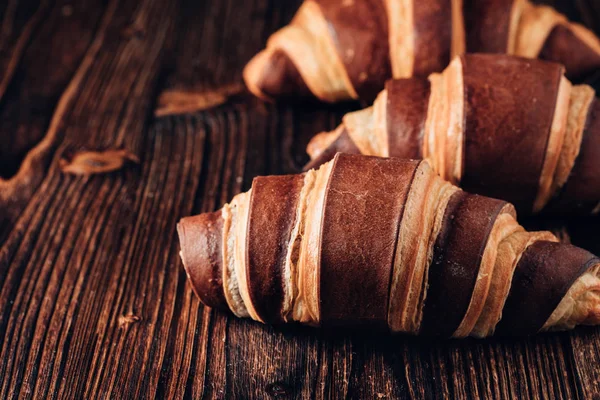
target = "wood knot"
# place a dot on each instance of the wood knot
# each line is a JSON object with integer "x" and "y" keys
{"x": 279, "y": 389}
{"x": 96, "y": 162}
{"x": 128, "y": 319}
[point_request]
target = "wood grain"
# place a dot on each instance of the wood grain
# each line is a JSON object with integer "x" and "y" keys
{"x": 94, "y": 302}
{"x": 45, "y": 69}
{"x": 19, "y": 19}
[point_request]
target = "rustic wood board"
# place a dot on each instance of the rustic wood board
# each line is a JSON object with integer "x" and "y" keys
{"x": 94, "y": 302}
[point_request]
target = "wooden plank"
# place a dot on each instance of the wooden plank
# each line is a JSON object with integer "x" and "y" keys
{"x": 93, "y": 298}
{"x": 42, "y": 74}
{"x": 44, "y": 279}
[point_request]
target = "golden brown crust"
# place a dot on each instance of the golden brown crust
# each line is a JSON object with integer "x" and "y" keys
{"x": 458, "y": 41}
{"x": 360, "y": 126}
{"x": 417, "y": 234}
{"x": 582, "y": 189}
{"x": 341, "y": 143}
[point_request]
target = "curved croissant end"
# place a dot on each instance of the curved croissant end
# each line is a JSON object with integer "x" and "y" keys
{"x": 300, "y": 60}
{"x": 271, "y": 75}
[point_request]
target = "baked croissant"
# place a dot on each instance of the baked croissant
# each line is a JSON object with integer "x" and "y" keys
{"x": 496, "y": 125}
{"x": 389, "y": 244}
{"x": 346, "y": 49}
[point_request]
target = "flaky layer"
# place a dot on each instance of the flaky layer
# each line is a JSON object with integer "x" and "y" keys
{"x": 402, "y": 37}
{"x": 368, "y": 128}
{"x": 360, "y": 125}
{"x": 579, "y": 106}
{"x": 306, "y": 302}
{"x": 555, "y": 147}
{"x": 509, "y": 252}
{"x": 419, "y": 228}
{"x": 235, "y": 217}
{"x": 581, "y": 304}
{"x": 504, "y": 227}
{"x": 444, "y": 126}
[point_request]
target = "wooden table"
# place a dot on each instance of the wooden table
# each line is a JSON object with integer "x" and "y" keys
{"x": 94, "y": 302}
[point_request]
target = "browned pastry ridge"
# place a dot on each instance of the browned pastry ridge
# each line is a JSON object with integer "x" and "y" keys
{"x": 387, "y": 243}
{"x": 338, "y": 50}
{"x": 501, "y": 126}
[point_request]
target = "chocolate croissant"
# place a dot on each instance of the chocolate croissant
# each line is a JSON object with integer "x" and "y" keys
{"x": 496, "y": 125}
{"x": 346, "y": 49}
{"x": 388, "y": 244}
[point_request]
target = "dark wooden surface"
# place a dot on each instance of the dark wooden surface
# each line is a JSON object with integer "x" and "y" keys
{"x": 93, "y": 299}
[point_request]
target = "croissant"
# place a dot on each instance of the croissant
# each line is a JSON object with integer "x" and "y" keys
{"x": 388, "y": 244}
{"x": 346, "y": 49}
{"x": 496, "y": 125}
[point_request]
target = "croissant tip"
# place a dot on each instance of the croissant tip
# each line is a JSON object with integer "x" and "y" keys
{"x": 253, "y": 73}
{"x": 272, "y": 74}
{"x": 201, "y": 255}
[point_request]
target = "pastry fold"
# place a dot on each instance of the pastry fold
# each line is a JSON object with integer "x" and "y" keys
{"x": 386, "y": 243}
{"x": 496, "y": 125}
{"x": 338, "y": 50}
